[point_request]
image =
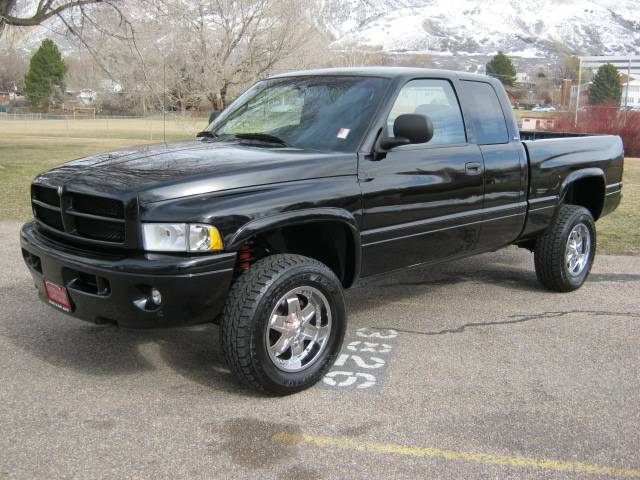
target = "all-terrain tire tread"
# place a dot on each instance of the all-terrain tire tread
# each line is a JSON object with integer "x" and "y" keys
{"x": 550, "y": 249}
{"x": 244, "y": 295}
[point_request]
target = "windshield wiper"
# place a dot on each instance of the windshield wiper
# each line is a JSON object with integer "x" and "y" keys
{"x": 206, "y": 133}
{"x": 263, "y": 137}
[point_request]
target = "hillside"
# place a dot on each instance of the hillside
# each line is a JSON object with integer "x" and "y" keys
{"x": 531, "y": 29}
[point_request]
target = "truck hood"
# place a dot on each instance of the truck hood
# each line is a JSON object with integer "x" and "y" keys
{"x": 164, "y": 171}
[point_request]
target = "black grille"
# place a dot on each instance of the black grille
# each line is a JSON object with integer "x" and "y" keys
{"x": 46, "y": 206}
{"x": 46, "y": 195}
{"x": 48, "y": 216}
{"x": 106, "y": 207}
{"x": 80, "y": 215}
{"x": 100, "y": 230}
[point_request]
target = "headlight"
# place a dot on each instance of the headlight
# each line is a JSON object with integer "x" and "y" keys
{"x": 164, "y": 237}
{"x": 204, "y": 238}
{"x": 180, "y": 237}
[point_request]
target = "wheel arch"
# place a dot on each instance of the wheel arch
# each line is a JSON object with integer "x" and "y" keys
{"x": 586, "y": 188}
{"x": 329, "y": 227}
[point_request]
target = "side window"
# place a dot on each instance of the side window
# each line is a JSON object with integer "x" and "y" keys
{"x": 487, "y": 116}
{"x": 437, "y": 100}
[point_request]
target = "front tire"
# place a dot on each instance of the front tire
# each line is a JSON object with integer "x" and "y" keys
{"x": 283, "y": 324}
{"x": 564, "y": 253}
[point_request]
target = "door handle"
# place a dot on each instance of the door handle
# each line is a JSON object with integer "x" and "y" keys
{"x": 473, "y": 168}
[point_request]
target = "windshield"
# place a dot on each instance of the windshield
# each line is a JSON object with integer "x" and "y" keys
{"x": 323, "y": 113}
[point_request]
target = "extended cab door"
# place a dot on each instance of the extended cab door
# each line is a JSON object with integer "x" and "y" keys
{"x": 422, "y": 202}
{"x": 505, "y": 162}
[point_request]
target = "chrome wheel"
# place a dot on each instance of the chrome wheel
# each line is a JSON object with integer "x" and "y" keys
{"x": 298, "y": 329}
{"x": 578, "y": 249}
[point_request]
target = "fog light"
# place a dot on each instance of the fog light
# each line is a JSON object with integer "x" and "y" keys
{"x": 156, "y": 297}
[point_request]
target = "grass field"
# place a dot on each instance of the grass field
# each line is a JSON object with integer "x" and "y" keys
{"x": 619, "y": 232}
{"x": 32, "y": 146}
{"x": 29, "y": 147}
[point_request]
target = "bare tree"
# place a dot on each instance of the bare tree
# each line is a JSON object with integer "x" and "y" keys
{"x": 355, "y": 55}
{"x": 79, "y": 19}
{"x": 181, "y": 54}
{"x": 14, "y": 67}
{"x": 29, "y": 14}
{"x": 210, "y": 49}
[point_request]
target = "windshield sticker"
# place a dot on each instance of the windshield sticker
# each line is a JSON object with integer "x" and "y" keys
{"x": 343, "y": 133}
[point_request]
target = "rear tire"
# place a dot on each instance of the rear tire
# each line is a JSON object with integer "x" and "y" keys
{"x": 283, "y": 324}
{"x": 564, "y": 253}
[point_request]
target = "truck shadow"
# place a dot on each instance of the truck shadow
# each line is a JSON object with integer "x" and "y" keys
{"x": 194, "y": 353}
{"x": 508, "y": 269}
{"x": 106, "y": 351}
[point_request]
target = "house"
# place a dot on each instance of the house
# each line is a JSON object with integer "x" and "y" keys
{"x": 523, "y": 80}
{"x": 538, "y": 123}
{"x": 12, "y": 93}
{"x": 631, "y": 94}
{"x": 87, "y": 97}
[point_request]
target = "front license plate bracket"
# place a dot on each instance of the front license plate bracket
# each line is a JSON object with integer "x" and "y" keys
{"x": 57, "y": 296}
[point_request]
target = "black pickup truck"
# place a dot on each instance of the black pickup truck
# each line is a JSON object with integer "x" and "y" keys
{"x": 306, "y": 183}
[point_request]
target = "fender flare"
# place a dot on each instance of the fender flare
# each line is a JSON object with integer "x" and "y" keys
{"x": 579, "y": 175}
{"x": 298, "y": 217}
{"x": 576, "y": 175}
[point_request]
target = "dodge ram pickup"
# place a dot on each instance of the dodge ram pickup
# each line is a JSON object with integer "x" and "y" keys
{"x": 306, "y": 183}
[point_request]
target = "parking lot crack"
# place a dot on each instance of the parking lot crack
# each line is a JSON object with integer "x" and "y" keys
{"x": 515, "y": 319}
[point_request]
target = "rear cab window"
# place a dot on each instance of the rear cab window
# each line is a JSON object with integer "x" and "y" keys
{"x": 487, "y": 117}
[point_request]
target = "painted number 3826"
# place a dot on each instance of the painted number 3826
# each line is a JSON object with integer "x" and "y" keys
{"x": 363, "y": 360}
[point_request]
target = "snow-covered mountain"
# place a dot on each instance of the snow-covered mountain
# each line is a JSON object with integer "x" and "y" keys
{"x": 458, "y": 34}
{"x": 522, "y": 28}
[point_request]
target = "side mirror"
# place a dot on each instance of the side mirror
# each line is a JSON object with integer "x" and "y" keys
{"x": 409, "y": 128}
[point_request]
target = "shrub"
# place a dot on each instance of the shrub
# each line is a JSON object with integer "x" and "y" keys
{"x": 605, "y": 119}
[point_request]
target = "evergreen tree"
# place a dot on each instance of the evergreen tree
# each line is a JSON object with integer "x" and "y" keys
{"x": 500, "y": 66}
{"x": 605, "y": 87}
{"x": 46, "y": 74}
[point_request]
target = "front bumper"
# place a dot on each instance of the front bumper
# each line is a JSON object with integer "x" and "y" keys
{"x": 108, "y": 288}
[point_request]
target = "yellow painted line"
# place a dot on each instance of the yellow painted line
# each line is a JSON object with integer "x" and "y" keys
{"x": 487, "y": 458}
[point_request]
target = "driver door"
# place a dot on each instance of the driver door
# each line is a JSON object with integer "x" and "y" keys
{"x": 423, "y": 202}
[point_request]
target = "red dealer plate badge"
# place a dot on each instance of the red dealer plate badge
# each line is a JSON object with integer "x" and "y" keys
{"x": 57, "y": 296}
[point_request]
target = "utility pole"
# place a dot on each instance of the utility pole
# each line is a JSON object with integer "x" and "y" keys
{"x": 626, "y": 93}
{"x": 164, "y": 100}
{"x": 575, "y": 121}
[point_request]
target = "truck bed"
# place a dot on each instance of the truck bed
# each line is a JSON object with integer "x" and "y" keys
{"x": 544, "y": 134}
{"x": 556, "y": 160}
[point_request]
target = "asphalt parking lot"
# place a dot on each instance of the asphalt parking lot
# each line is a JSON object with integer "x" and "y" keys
{"x": 468, "y": 370}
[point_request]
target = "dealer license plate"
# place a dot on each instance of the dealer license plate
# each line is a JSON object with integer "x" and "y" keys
{"x": 57, "y": 296}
